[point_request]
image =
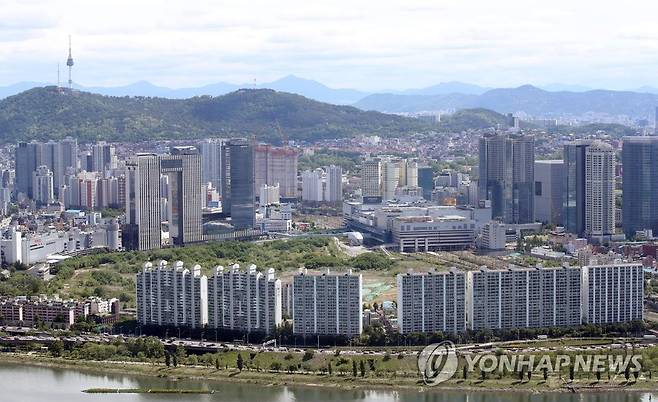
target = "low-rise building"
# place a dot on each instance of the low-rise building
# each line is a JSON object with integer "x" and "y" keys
{"x": 426, "y": 233}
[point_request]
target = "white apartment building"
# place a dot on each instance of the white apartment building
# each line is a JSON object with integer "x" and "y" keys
{"x": 432, "y": 301}
{"x": 244, "y": 301}
{"x": 269, "y": 195}
{"x": 312, "y": 185}
{"x": 599, "y": 191}
{"x": 427, "y": 233}
{"x": 43, "y": 187}
{"x": 327, "y": 304}
{"x": 523, "y": 298}
{"x": 493, "y": 236}
{"x": 334, "y": 185}
{"x": 612, "y": 293}
{"x": 172, "y": 296}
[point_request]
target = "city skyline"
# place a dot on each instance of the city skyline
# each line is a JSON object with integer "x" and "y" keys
{"x": 509, "y": 43}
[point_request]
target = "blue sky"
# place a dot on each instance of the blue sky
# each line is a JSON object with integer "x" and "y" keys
{"x": 366, "y": 45}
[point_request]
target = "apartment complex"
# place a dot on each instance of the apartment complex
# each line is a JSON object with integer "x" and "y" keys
{"x": 172, "y": 296}
{"x": 244, "y": 301}
{"x": 327, "y": 304}
{"x": 432, "y": 301}
{"x": 523, "y": 298}
{"x": 612, "y": 293}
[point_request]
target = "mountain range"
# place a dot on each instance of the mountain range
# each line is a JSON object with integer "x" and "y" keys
{"x": 527, "y": 99}
{"x": 548, "y": 101}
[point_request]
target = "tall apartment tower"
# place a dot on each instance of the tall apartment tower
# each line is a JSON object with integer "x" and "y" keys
{"x": 639, "y": 157}
{"x": 523, "y": 298}
{"x": 599, "y": 191}
{"x": 143, "y": 217}
{"x": 327, "y": 304}
{"x": 238, "y": 199}
{"x": 390, "y": 178}
{"x": 334, "y": 193}
{"x": 185, "y": 197}
{"x": 102, "y": 157}
{"x": 42, "y": 185}
{"x": 371, "y": 181}
{"x": 432, "y": 302}
{"x": 244, "y": 301}
{"x": 507, "y": 177}
{"x": 612, "y": 293}
{"x": 274, "y": 165}
{"x": 211, "y": 150}
{"x": 408, "y": 173}
{"x": 312, "y": 189}
{"x": 573, "y": 198}
{"x": 172, "y": 296}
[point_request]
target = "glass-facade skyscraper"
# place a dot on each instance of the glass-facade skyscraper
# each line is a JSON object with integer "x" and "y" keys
{"x": 507, "y": 166}
{"x": 640, "y": 184}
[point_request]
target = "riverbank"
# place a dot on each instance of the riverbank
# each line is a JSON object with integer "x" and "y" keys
{"x": 266, "y": 378}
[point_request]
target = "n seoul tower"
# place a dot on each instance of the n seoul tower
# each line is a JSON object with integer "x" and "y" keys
{"x": 69, "y": 62}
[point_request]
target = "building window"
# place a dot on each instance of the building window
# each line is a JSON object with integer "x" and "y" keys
{"x": 538, "y": 188}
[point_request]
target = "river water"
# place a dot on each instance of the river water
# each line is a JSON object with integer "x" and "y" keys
{"x": 24, "y": 383}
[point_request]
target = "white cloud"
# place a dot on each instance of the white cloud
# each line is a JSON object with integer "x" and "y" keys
{"x": 359, "y": 43}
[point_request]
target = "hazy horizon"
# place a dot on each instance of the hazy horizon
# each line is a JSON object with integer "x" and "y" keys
{"x": 367, "y": 45}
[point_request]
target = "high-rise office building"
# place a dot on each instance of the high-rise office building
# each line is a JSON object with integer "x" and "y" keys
{"x": 426, "y": 181}
{"x": 56, "y": 156}
{"x": 26, "y": 164}
{"x": 172, "y": 296}
{"x": 327, "y": 304}
{"x": 334, "y": 187}
{"x": 143, "y": 215}
{"x": 42, "y": 185}
{"x": 573, "y": 193}
{"x": 185, "y": 197}
{"x": 274, "y": 165}
{"x": 612, "y": 293}
{"x": 371, "y": 181}
{"x": 211, "y": 161}
{"x": 599, "y": 191}
{"x": 507, "y": 178}
{"x": 238, "y": 199}
{"x": 549, "y": 182}
{"x": 244, "y": 301}
{"x": 102, "y": 157}
{"x": 523, "y": 298}
{"x": 432, "y": 301}
{"x": 639, "y": 157}
{"x": 408, "y": 173}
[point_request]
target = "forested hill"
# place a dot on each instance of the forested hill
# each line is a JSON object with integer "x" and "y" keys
{"x": 50, "y": 113}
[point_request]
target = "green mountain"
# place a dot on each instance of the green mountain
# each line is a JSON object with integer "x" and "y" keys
{"x": 472, "y": 119}
{"x": 49, "y": 113}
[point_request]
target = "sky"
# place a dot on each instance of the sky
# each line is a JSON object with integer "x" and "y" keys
{"x": 362, "y": 44}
